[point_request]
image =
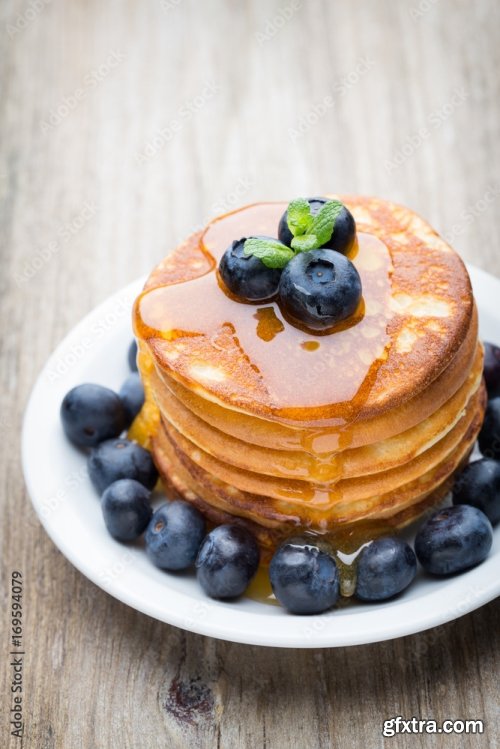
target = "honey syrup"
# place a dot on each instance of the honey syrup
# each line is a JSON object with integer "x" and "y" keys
{"x": 295, "y": 367}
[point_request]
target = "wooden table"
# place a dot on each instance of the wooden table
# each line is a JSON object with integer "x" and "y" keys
{"x": 126, "y": 124}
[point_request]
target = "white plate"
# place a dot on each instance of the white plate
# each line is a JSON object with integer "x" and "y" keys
{"x": 55, "y": 472}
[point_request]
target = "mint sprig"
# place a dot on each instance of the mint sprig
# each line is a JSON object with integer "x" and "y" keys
{"x": 308, "y": 233}
{"x": 272, "y": 253}
{"x": 316, "y": 230}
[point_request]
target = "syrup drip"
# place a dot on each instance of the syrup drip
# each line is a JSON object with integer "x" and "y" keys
{"x": 345, "y": 544}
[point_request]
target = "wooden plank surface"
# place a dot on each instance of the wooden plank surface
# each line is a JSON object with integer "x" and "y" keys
{"x": 124, "y": 124}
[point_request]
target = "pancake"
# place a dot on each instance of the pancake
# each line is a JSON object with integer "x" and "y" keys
{"x": 419, "y": 308}
{"x": 223, "y": 504}
{"x": 321, "y": 518}
{"x": 178, "y": 482}
{"x": 328, "y": 495}
{"x": 259, "y": 422}
{"x": 380, "y": 456}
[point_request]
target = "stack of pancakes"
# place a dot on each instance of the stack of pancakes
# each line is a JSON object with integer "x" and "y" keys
{"x": 264, "y": 424}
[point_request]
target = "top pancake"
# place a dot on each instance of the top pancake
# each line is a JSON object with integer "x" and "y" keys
{"x": 418, "y": 311}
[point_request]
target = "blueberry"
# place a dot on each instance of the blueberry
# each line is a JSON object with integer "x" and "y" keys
{"x": 489, "y": 436}
{"x": 344, "y": 230}
{"x": 91, "y": 414}
{"x": 304, "y": 579}
{"x": 132, "y": 356}
{"x": 227, "y": 561}
{"x": 174, "y": 535}
{"x": 385, "y": 568}
{"x": 246, "y": 276}
{"x": 453, "y": 540}
{"x": 479, "y": 485}
{"x": 126, "y": 509}
{"x": 132, "y": 395}
{"x": 320, "y": 288}
{"x": 492, "y": 369}
{"x": 121, "y": 459}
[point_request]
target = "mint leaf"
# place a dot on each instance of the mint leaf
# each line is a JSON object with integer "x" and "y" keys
{"x": 309, "y": 233}
{"x": 269, "y": 251}
{"x": 299, "y": 217}
{"x": 323, "y": 222}
{"x": 305, "y": 242}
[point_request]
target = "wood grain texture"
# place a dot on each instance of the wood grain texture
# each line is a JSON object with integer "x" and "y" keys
{"x": 124, "y": 124}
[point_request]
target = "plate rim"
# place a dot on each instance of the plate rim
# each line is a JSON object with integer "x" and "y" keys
{"x": 236, "y": 623}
